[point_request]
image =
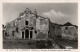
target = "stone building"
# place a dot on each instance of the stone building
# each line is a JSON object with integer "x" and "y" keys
{"x": 28, "y": 25}
{"x": 69, "y": 31}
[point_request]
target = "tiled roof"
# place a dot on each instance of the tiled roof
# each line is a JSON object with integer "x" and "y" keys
{"x": 68, "y": 24}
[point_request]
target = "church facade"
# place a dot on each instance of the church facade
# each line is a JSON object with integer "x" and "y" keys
{"x": 28, "y": 25}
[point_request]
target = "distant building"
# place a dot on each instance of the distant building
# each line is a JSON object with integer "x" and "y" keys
{"x": 69, "y": 31}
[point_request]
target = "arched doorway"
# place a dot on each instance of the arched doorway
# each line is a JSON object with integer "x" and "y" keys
{"x": 26, "y": 33}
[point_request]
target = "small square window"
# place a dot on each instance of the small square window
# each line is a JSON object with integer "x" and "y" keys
{"x": 35, "y": 32}
{"x": 66, "y": 28}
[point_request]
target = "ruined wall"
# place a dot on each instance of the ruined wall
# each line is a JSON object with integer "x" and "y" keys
{"x": 55, "y": 31}
{"x": 51, "y": 31}
{"x": 42, "y": 27}
{"x": 11, "y": 29}
{"x": 57, "y": 28}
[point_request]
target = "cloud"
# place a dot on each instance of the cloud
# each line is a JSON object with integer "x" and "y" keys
{"x": 54, "y": 13}
{"x": 56, "y": 17}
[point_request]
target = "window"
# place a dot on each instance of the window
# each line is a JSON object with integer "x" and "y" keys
{"x": 26, "y": 22}
{"x": 66, "y": 28}
{"x": 35, "y": 32}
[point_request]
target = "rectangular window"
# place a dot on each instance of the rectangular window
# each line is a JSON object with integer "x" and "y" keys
{"x": 26, "y": 22}
{"x": 35, "y": 32}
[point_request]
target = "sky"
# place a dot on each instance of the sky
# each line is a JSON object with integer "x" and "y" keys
{"x": 60, "y": 13}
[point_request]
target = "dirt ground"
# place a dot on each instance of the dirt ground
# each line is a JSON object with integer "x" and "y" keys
{"x": 18, "y": 44}
{"x": 31, "y": 44}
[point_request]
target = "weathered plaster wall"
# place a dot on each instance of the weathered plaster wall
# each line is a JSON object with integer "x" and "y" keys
{"x": 71, "y": 32}
{"x": 42, "y": 26}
